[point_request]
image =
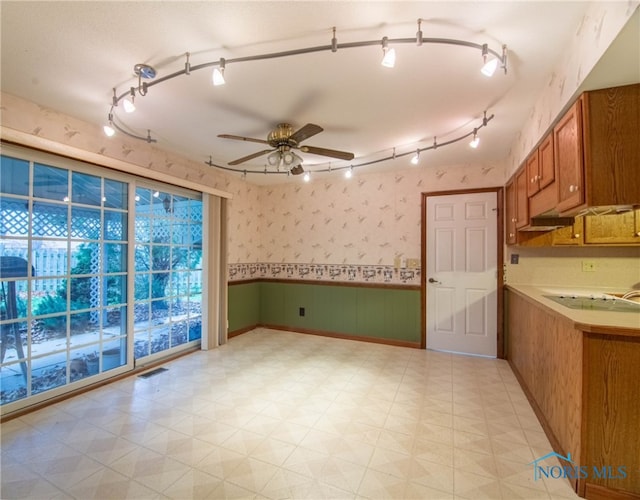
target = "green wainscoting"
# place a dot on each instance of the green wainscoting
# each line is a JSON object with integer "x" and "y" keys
{"x": 374, "y": 313}
{"x": 243, "y": 306}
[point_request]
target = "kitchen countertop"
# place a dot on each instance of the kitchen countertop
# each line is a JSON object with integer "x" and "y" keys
{"x": 606, "y": 322}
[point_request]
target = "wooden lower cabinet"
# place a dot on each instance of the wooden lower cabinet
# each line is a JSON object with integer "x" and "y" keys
{"x": 585, "y": 390}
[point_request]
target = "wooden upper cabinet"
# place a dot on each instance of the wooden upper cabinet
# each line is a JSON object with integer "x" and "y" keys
{"x": 597, "y": 151}
{"x": 511, "y": 235}
{"x": 533, "y": 176}
{"x": 568, "y": 158}
{"x": 613, "y": 229}
{"x": 541, "y": 167}
{"x": 546, "y": 162}
{"x": 569, "y": 235}
{"x": 522, "y": 200}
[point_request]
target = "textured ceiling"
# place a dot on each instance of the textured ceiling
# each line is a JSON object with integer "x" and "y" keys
{"x": 70, "y": 55}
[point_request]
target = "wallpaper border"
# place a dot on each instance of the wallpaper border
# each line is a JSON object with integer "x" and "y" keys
{"x": 339, "y": 273}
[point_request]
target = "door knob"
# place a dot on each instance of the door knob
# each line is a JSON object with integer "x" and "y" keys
{"x": 431, "y": 280}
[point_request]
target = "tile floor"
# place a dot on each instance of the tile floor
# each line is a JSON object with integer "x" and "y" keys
{"x": 280, "y": 415}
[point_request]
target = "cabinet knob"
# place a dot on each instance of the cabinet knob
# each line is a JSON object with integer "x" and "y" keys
{"x": 511, "y": 235}
{"x": 576, "y": 236}
{"x": 637, "y": 234}
{"x": 573, "y": 188}
{"x": 533, "y": 179}
{"x": 513, "y": 219}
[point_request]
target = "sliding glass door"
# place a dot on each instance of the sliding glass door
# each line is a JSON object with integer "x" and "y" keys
{"x": 168, "y": 271}
{"x": 97, "y": 273}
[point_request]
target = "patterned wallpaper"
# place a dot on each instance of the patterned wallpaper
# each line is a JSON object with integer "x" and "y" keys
{"x": 599, "y": 27}
{"x": 366, "y": 220}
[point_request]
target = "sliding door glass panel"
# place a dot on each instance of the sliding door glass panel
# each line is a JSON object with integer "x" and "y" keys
{"x": 168, "y": 284}
{"x": 63, "y": 283}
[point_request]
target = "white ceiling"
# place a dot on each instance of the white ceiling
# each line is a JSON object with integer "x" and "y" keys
{"x": 70, "y": 55}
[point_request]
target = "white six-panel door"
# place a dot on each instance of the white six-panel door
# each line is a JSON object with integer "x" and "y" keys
{"x": 461, "y": 273}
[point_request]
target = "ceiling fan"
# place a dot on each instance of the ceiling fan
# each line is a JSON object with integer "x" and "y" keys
{"x": 283, "y": 140}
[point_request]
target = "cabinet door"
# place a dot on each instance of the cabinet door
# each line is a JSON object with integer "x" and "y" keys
{"x": 568, "y": 151}
{"x": 570, "y": 235}
{"x": 522, "y": 201}
{"x": 533, "y": 186}
{"x": 510, "y": 214}
{"x": 612, "y": 229}
{"x": 546, "y": 164}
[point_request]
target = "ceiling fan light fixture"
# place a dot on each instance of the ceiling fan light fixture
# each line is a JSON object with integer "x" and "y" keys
{"x": 218, "y": 73}
{"x": 288, "y": 158}
{"x": 274, "y": 158}
{"x": 389, "y": 54}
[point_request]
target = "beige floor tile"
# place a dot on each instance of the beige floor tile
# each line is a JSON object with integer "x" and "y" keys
{"x": 280, "y": 415}
{"x": 149, "y": 468}
{"x": 107, "y": 483}
{"x": 194, "y": 484}
{"x": 433, "y": 451}
{"x": 220, "y": 461}
{"x": 18, "y": 481}
{"x": 471, "y": 441}
{"x": 380, "y": 485}
{"x": 229, "y": 491}
{"x": 474, "y": 462}
{"x": 252, "y": 474}
{"x": 475, "y": 486}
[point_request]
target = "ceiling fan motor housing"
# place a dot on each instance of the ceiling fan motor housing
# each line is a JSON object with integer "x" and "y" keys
{"x": 281, "y": 136}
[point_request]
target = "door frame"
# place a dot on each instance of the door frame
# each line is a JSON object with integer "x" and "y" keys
{"x": 499, "y": 264}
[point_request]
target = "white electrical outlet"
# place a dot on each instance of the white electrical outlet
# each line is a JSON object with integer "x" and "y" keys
{"x": 588, "y": 266}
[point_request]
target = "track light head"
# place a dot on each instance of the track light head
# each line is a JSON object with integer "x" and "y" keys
{"x": 416, "y": 158}
{"x": 389, "y": 54}
{"x": 476, "y": 140}
{"x": 218, "y": 73}
{"x": 349, "y": 172}
{"x": 128, "y": 103}
{"x": 108, "y": 129}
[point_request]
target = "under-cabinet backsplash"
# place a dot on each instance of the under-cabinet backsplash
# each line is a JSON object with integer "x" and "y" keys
{"x": 617, "y": 267}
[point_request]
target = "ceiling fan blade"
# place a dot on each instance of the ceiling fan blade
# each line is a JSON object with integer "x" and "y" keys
{"x": 342, "y": 155}
{"x": 241, "y": 138}
{"x": 250, "y": 157}
{"x": 305, "y": 132}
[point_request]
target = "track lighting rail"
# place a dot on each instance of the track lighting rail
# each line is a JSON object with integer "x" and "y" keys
{"x": 490, "y": 57}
